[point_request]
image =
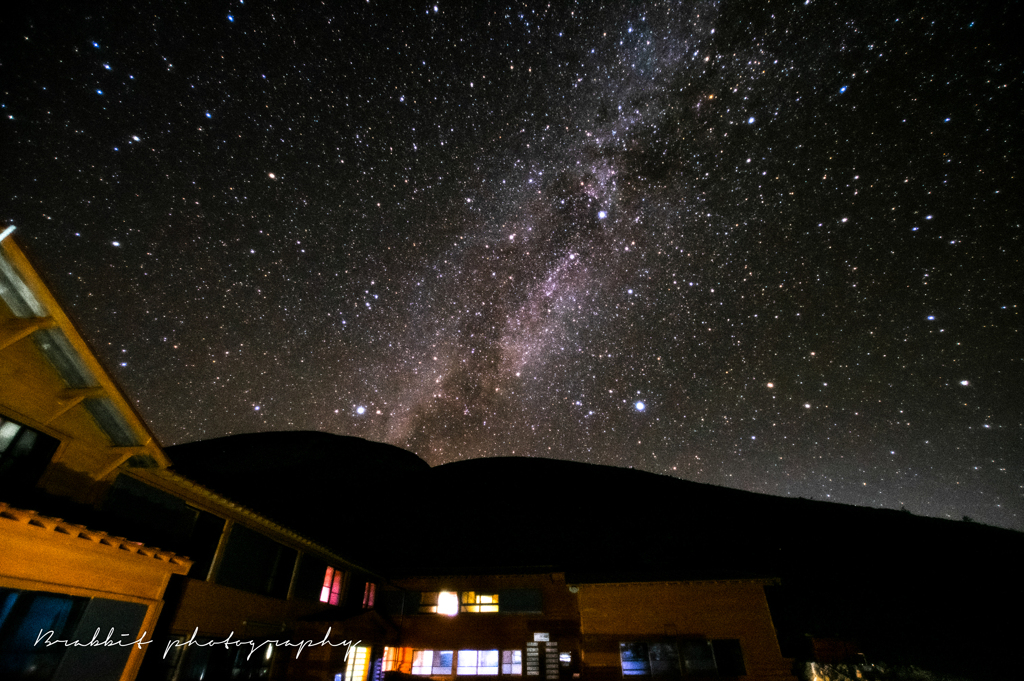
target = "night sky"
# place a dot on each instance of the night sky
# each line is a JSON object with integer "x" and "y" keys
{"x": 772, "y": 246}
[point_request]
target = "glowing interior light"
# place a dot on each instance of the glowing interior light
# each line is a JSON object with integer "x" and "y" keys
{"x": 358, "y": 664}
{"x": 447, "y": 603}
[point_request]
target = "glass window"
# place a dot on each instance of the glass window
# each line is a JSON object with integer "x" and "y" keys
{"x": 440, "y": 602}
{"x": 634, "y": 659}
{"x": 369, "y": 594}
{"x": 698, "y": 657}
{"x": 358, "y": 664}
{"x": 467, "y": 662}
{"x": 23, "y": 614}
{"x": 147, "y": 514}
{"x": 24, "y": 455}
{"x": 664, "y": 657}
{"x": 428, "y": 601}
{"x": 422, "y": 661}
{"x": 256, "y": 563}
{"x": 447, "y": 603}
{"x": 729, "y": 657}
{"x": 443, "y": 662}
{"x": 512, "y": 662}
{"x": 474, "y": 601}
{"x": 309, "y": 578}
{"x": 478, "y": 663}
{"x": 521, "y": 600}
{"x": 330, "y": 593}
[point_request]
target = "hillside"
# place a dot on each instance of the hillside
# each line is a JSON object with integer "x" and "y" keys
{"x": 910, "y": 588}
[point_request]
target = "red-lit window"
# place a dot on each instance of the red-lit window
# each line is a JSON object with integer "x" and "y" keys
{"x": 369, "y": 593}
{"x": 331, "y": 591}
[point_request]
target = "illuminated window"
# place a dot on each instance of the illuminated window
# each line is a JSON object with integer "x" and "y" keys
{"x": 512, "y": 662}
{"x": 330, "y": 593}
{"x": 397, "y": 660}
{"x": 368, "y": 595}
{"x": 474, "y": 601}
{"x": 421, "y": 662}
{"x": 634, "y": 659}
{"x": 440, "y": 602}
{"x": 432, "y": 662}
{"x": 443, "y": 661}
{"x": 358, "y": 664}
{"x": 668, "y": 660}
{"x": 478, "y": 663}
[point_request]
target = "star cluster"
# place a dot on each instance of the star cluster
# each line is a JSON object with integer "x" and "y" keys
{"x": 772, "y": 246}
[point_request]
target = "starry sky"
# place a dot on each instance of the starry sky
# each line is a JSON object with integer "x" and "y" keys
{"x": 773, "y": 246}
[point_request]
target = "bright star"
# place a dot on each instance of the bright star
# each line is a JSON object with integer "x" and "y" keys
{"x": 640, "y": 406}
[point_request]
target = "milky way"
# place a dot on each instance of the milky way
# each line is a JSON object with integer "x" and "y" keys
{"x": 773, "y": 246}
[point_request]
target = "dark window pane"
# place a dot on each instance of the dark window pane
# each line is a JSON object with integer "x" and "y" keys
{"x": 202, "y": 661}
{"x": 521, "y": 600}
{"x": 143, "y": 513}
{"x": 697, "y": 657}
{"x": 310, "y": 580}
{"x": 399, "y": 602}
{"x": 23, "y": 616}
{"x": 202, "y": 545}
{"x": 664, "y": 658}
{"x": 255, "y": 563}
{"x": 24, "y": 455}
{"x": 729, "y": 657}
{"x": 102, "y": 663}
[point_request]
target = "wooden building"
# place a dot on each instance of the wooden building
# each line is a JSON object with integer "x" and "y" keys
{"x": 73, "y": 447}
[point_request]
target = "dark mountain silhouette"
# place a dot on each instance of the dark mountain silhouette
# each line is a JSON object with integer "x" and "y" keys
{"x": 316, "y": 483}
{"x": 909, "y": 588}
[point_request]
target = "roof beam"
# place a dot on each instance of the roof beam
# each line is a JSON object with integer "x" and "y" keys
{"x": 71, "y": 398}
{"x": 16, "y": 329}
{"x": 124, "y": 453}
